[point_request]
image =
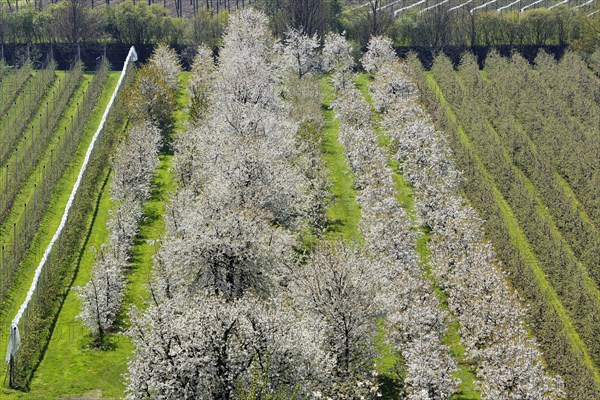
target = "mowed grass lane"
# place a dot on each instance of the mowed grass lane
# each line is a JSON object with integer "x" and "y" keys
{"x": 466, "y": 389}
{"x": 71, "y": 367}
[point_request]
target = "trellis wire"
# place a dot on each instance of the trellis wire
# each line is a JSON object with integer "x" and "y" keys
{"x": 460, "y": 5}
{"x": 530, "y": 5}
{"x": 14, "y": 343}
{"x": 59, "y": 160}
{"x": 509, "y": 5}
{"x": 418, "y": 3}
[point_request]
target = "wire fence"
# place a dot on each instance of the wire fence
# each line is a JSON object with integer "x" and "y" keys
{"x": 23, "y": 230}
{"x": 34, "y": 137}
{"x": 12, "y": 85}
{"x": 32, "y": 326}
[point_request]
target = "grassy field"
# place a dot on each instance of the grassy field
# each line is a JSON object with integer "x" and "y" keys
{"x": 344, "y": 212}
{"x": 466, "y": 389}
{"x": 71, "y": 367}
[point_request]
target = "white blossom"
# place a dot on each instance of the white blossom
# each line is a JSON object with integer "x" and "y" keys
{"x": 102, "y": 295}
{"x": 300, "y": 52}
{"x": 493, "y": 332}
{"x": 379, "y": 50}
{"x": 337, "y": 53}
{"x": 201, "y": 82}
{"x": 167, "y": 61}
{"x": 134, "y": 163}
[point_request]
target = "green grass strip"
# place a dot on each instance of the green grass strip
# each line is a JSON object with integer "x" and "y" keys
{"x": 71, "y": 367}
{"x": 519, "y": 241}
{"x": 466, "y": 389}
{"x": 343, "y": 212}
{"x": 51, "y": 221}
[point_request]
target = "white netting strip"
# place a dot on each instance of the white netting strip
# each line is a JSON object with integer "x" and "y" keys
{"x": 14, "y": 342}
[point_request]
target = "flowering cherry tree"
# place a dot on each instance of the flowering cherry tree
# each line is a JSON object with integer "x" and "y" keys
{"x": 201, "y": 82}
{"x": 183, "y": 353}
{"x": 491, "y": 316}
{"x": 300, "y": 54}
{"x": 168, "y": 63}
{"x": 415, "y": 321}
{"x": 337, "y": 59}
{"x": 379, "y": 50}
{"x": 102, "y": 296}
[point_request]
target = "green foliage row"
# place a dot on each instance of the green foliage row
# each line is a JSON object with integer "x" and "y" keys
{"x": 11, "y": 85}
{"x": 15, "y": 182}
{"x": 486, "y": 186}
{"x": 23, "y": 110}
{"x": 127, "y": 23}
{"x": 34, "y": 142}
{"x": 557, "y": 105}
{"x": 523, "y": 112}
{"x": 570, "y": 281}
{"x": 36, "y": 328}
{"x": 438, "y": 28}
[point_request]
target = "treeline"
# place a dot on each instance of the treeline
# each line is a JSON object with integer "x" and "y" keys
{"x": 540, "y": 27}
{"x": 75, "y": 21}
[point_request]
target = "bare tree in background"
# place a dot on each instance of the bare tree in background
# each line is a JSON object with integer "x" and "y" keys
{"x": 371, "y": 20}
{"x": 74, "y": 22}
{"x": 310, "y": 16}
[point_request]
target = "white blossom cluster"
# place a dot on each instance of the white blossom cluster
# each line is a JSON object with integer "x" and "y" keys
{"x": 379, "y": 51}
{"x": 133, "y": 167}
{"x": 300, "y": 53}
{"x": 222, "y": 323}
{"x": 207, "y": 347}
{"x": 414, "y": 312}
{"x": 167, "y": 62}
{"x": 337, "y": 58}
{"x": 344, "y": 288}
{"x": 200, "y": 83}
{"x": 493, "y": 331}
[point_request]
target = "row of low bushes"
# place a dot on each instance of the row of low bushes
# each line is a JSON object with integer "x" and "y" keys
{"x": 554, "y": 333}
{"x": 543, "y": 151}
{"x": 560, "y": 266}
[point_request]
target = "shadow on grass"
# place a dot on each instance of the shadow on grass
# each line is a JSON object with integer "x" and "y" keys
{"x": 391, "y": 388}
{"x": 73, "y": 277}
